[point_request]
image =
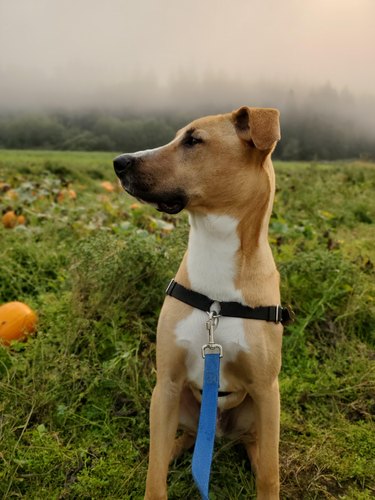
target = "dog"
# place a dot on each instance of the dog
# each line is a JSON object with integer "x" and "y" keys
{"x": 219, "y": 169}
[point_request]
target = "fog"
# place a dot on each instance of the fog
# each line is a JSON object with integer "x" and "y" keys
{"x": 170, "y": 55}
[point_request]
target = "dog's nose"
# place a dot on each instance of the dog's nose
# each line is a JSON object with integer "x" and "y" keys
{"x": 122, "y": 163}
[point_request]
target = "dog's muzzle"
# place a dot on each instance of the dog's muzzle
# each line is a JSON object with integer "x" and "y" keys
{"x": 127, "y": 170}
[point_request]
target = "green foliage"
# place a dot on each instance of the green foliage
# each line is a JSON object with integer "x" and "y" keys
{"x": 86, "y": 132}
{"x": 109, "y": 275}
{"x": 310, "y": 134}
{"x": 74, "y": 399}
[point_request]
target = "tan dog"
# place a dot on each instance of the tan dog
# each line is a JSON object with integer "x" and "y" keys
{"x": 219, "y": 168}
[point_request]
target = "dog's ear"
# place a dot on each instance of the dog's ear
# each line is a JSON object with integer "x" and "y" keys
{"x": 259, "y": 125}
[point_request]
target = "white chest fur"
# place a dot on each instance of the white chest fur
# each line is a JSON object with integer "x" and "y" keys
{"x": 213, "y": 246}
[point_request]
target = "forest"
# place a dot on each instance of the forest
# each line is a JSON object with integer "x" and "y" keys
{"x": 317, "y": 124}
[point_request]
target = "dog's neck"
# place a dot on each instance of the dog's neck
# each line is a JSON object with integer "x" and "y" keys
{"x": 229, "y": 258}
{"x": 212, "y": 255}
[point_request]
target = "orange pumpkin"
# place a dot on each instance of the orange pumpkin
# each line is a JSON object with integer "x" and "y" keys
{"x": 17, "y": 321}
{"x": 60, "y": 197}
{"x": 66, "y": 193}
{"x": 21, "y": 220}
{"x": 108, "y": 186}
{"x": 9, "y": 219}
{"x": 135, "y": 206}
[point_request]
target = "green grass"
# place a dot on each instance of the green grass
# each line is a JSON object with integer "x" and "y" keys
{"x": 74, "y": 399}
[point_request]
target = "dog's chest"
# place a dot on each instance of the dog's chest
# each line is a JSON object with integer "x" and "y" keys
{"x": 191, "y": 334}
{"x": 211, "y": 266}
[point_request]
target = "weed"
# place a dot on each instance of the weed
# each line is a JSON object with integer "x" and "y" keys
{"x": 74, "y": 399}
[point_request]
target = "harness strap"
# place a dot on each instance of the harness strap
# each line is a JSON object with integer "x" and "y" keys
{"x": 204, "y": 444}
{"x": 276, "y": 314}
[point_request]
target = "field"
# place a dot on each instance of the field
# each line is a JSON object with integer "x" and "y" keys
{"x": 94, "y": 264}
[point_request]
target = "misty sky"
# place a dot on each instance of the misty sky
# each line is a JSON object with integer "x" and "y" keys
{"x": 88, "y": 44}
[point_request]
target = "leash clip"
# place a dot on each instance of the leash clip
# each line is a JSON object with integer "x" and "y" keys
{"x": 211, "y": 325}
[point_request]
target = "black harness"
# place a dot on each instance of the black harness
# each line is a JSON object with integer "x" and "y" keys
{"x": 275, "y": 314}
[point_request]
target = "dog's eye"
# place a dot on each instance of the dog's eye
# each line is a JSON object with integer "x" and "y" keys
{"x": 191, "y": 141}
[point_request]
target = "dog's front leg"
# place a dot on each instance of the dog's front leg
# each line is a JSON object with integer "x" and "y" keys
{"x": 164, "y": 414}
{"x": 265, "y": 453}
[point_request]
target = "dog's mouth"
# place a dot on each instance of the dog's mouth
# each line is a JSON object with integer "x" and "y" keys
{"x": 171, "y": 207}
{"x": 170, "y": 203}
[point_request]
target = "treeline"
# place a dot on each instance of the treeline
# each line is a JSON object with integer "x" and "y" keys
{"x": 305, "y": 135}
{"x": 83, "y": 132}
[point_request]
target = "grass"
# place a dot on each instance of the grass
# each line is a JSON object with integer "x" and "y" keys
{"x": 74, "y": 399}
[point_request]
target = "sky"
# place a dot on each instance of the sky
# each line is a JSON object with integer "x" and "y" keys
{"x": 61, "y": 51}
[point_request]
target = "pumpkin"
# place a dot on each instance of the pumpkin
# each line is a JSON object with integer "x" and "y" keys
{"x": 60, "y": 197}
{"x": 108, "y": 186}
{"x": 21, "y": 220}
{"x": 9, "y": 219}
{"x": 17, "y": 320}
{"x": 66, "y": 193}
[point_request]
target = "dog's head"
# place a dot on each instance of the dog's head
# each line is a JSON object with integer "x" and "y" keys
{"x": 213, "y": 162}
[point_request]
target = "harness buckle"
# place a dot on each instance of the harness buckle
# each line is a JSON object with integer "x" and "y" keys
{"x": 170, "y": 287}
{"x": 275, "y": 314}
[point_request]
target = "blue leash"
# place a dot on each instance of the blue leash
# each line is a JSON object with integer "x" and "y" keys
{"x": 204, "y": 444}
